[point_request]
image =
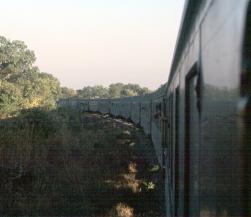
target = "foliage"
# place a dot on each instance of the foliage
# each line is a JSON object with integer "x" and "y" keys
{"x": 65, "y": 163}
{"x": 97, "y": 91}
{"x": 66, "y": 92}
{"x": 15, "y": 58}
{"x": 22, "y": 85}
{"x": 10, "y": 97}
{"x": 113, "y": 91}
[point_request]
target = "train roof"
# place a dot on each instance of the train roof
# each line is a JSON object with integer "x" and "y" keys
{"x": 189, "y": 14}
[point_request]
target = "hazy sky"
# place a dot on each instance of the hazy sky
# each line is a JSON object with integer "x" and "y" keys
{"x": 89, "y": 42}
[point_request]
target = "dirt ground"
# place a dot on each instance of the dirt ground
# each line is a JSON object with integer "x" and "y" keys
{"x": 131, "y": 179}
{"x": 78, "y": 164}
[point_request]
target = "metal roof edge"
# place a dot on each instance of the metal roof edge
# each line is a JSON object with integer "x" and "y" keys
{"x": 186, "y": 22}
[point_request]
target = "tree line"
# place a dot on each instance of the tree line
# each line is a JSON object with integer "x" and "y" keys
{"x": 116, "y": 90}
{"x": 24, "y": 86}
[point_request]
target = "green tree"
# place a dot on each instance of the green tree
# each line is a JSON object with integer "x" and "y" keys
{"x": 10, "y": 98}
{"x": 128, "y": 92}
{"x": 15, "y": 58}
{"x": 123, "y": 90}
{"x": 48, "y": 89}
{"x": 115, "y": 90}
{"x": 66, "y": 92}
{"x": 22, "y": 84}
{"x": 97, "y": 91}
{"x": 38, "y": 89}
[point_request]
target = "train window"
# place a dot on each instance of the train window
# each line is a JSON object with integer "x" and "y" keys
{"x": 192, "y": 143}
{"x": 157, "y": 111}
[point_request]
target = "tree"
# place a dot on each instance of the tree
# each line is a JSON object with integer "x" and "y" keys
{"x": 38, "y": 89}
{"x": 22, "y": 84}
{"x": 49, "y": 89}
{"x": 10, "y": 98}
{"x": 114, "y": 91}
{"x": 15, "y": 58}
{"x": 97, "y": 91}
{"x": 128, "y": 92}
{"x": 67, "y": 93}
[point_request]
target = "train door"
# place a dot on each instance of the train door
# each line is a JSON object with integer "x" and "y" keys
{"x": 192, "y": 143}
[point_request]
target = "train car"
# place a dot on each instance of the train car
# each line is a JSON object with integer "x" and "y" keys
{"x": 71, "y": 103}
{"x": 120, "y": 108}
{"x": 104, "y": 106}
{"x": 94, "y": 105}
{"x": 126, "y": 108}
{"x": 200, "y": 120}
{"x": 136, "y": 109}
{"x": 206, "y": 166}
{"x": 156, "y": 125}
{"x": 146, "y": 113}
{"x": 84, "y": 105}
{"x": 114, "y": 107}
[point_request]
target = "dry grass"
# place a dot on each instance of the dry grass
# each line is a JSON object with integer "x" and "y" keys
{"x": 121, "y": 210}
{"x": 76, "y": 165}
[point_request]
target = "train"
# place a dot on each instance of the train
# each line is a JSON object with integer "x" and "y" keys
{"x": 200, "y": 120}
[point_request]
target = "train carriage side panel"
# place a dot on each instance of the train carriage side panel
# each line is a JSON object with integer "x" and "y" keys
{"x": 104, "y": 106}
{"x": 126, "y": 108}
{"x": 189, "y": 172}
{"x": 136, "y": 110}
{"x": 93, "y": 105}
{"x": 84, "y": 105}
{"x": 156, "y": 128}
{"x": 221, "y": 48}
{"x": 146, "y": 114}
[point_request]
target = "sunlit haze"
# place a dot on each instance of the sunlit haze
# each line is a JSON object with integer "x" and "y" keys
{"x": 90, "y": 42}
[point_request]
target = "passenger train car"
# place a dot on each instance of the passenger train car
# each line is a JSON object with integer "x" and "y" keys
{"x": 200, "y": 121}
